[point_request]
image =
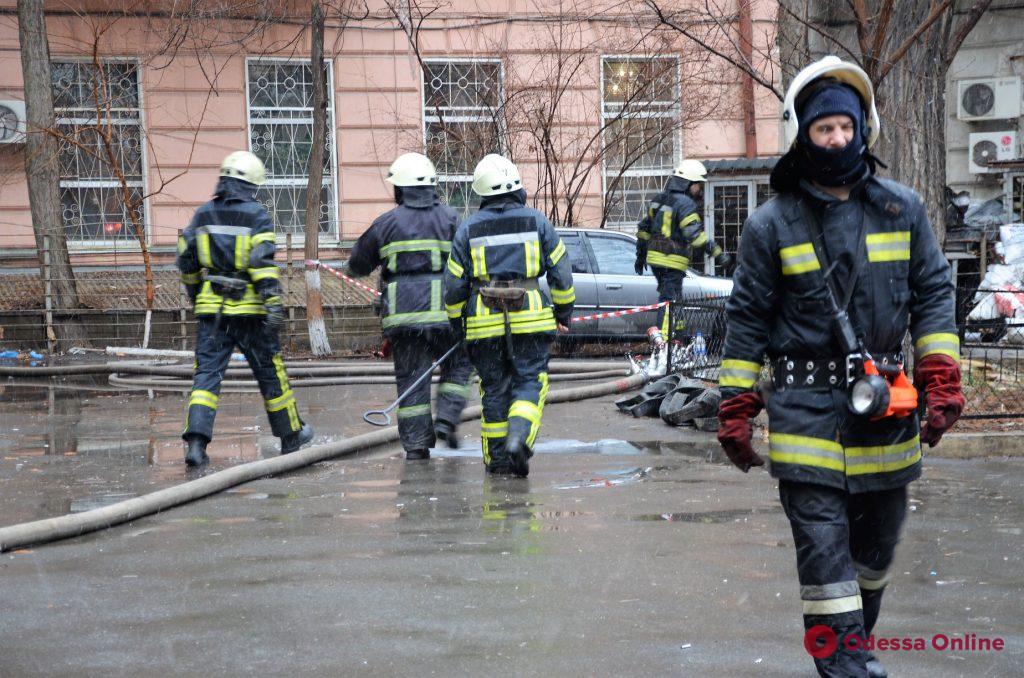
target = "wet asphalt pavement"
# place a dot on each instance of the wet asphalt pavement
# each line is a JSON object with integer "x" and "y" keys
{"x": 613, "y": 558}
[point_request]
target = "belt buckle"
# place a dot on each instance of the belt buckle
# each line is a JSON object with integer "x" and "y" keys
{"x": 851, "y": 366}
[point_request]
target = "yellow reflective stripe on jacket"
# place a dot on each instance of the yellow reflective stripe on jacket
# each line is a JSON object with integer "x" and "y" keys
{"x": 700, "y": 240}
{"x": 455, "y": 268}
{"x": 786, "y": 448}
{"x": 643, "y": 235}
{"x": 675, "y": 261}
{"x": 739, "y": 373}
{"x": 689, "y": 219}
{"x": 455, "y": 310}
{"x": 182, "y": 244}
{"x": 799, "y": 259}
{"x": 531, "y": 252}
{"x": 893, "y": 246}
{"x": 414, "y": 318}
{"x": 204, "y": 398}
{"x": 942, "y": 343}
{"x": 520, "y": 322}
{"x": 666, "y": 221}
{"x": 242, "y": 246}
{"x": 272, "y": 301}
{"x": 414, "y": 246}
{"x": 557, "y": 253}
{"x": 883, "y": 458}
{"x": 479, "y": 257}
{"x": 203, "y": 250}
{"x": 191, "y": 278}
{"x": 266, "y": 236}
{"x": 563, "y": 296}
{"x": 208, "y": 301}
{"x": 267, "y": 273}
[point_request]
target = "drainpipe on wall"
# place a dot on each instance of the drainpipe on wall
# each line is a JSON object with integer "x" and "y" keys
{"x": 747, "y": 87}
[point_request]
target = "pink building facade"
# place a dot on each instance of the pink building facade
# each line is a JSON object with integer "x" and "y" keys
{"x": 595, "y": 104}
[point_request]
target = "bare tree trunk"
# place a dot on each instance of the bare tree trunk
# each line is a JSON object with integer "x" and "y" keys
{"x": 318, "y": 341}
{"x": 42, "y": 172}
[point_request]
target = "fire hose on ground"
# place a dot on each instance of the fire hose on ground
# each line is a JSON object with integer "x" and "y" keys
{"x": 73, "y": 525}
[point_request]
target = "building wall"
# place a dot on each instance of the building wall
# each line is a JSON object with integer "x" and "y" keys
{"x": 995, "y": 48}
{"x": 194, "y": 107}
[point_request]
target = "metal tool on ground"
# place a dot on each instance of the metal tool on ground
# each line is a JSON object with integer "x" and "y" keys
{"x": 383, "y": 417}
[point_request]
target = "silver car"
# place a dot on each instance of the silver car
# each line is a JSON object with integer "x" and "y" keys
{"x": 603, "y": 275}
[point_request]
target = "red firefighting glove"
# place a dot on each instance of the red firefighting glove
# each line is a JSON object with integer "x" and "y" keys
{"x": 938, "y": 377}
{"x": 734, "y": 431}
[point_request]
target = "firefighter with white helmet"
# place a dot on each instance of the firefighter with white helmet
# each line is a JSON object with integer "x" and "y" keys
{"x": 493, "y": 298}
{"x": 410, "y": 244}
{"x": 671, "y": 234}
{"x": 226, "y": 259}
{"x": 832, "y": 274}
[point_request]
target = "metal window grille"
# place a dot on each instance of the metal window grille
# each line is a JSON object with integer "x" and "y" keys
{"x": 461, "y": 120}
{"x": 280, "y": 110}
{"x": 640, "y": 118}
{"x": 90, "y": 101}
{"x": 730, "y": 202}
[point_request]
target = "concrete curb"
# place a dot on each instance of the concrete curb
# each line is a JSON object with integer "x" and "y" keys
{"x": 978, "y": 445}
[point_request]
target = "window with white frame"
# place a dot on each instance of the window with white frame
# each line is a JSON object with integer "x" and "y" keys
{"x": 730, "y": 202}
{"x": 280, "y": 106}
{"x": 640, "y": 118}
{"x": 98, "y": 113}
{"x": 461, "y": 120}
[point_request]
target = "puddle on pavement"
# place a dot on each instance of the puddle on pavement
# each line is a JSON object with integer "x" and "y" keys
{"x": 709, "y": 517}
{"x": 700, "y": 451}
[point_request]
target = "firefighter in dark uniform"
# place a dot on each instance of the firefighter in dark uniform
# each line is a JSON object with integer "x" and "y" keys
{"x": 672, "y": 233}
{"x": 836, "y": 232}
{"x": 493, "y": 296}
{"x": 226, "y": 259}
{"x": 411, "y": 244}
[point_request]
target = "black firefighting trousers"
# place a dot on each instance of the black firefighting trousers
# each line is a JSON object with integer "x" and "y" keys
{"x": 262, "y": 349}
{"x": 670, "y": 288}
{"x": 413, "y": 352}
{"x": 845, "y": 545}
{"x": 512, "y": 390}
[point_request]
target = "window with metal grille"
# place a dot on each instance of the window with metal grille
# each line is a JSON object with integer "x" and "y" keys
{"x": 640, "y": 117}
{"x": 93, "y": 103}
{"x": 731, "y": 202}
{"x": 461, "y": 123}
{"x": 280, "y": 108}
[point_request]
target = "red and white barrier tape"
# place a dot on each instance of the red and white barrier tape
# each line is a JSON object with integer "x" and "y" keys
{"x": 616, "y": 314}
{"x": 366, "y": 288}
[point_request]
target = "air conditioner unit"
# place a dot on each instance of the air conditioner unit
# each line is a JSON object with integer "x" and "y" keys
{"x": 986, "y": 147}
{"x": 12, "y": 122}
{"x": 988, "y": 99}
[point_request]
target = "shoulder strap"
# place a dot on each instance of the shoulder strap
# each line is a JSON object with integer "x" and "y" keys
{"x": 817, "y": 238}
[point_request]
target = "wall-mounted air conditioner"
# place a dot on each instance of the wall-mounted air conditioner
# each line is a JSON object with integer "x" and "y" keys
{"x": 12, "y": 122}
{"x": 985, "y": 147}
{"x": 988, "y": 98}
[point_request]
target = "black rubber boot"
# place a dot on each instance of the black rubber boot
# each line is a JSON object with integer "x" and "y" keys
{"x": 294, "y": 441}
{"x": 518, "y": 456}
{"x": 196, "y": 453}
{"x": 499, "y": 467}
{"x": 417, "y": 455}
{"x": 446, "y": 432}
{"x": 875, "y": 668}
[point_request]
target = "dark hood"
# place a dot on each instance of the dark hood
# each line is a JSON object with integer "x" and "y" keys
{"x": 230, "y": 188}
{"x": 677, "y": 184}
{"x": 417, "y": 197}
{"x": 511, "y": 199}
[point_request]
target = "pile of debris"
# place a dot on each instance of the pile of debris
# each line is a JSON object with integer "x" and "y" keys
{"x": 1001, "y": 293}
{"x": 678, "y": 400}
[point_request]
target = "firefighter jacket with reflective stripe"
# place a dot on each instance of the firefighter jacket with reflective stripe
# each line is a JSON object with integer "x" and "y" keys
{"x": 508, "y": 241}
{"x": 671, "y": 233}
{"x": 410, "y": 244}
{"x": 233, "y": 236}
{"x": 779, "y": 308}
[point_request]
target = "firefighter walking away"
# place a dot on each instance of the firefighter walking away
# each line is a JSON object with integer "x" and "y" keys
{"x": 493, "y": 296}
{"x": 226, "y": 259}
{"x": 410, "y": 244}
{"x": 832, "y": 274}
